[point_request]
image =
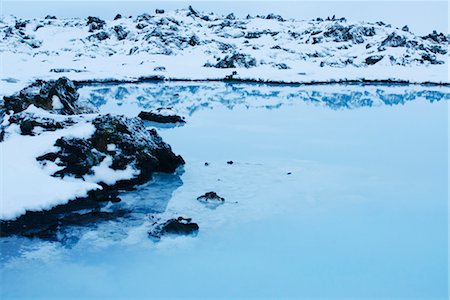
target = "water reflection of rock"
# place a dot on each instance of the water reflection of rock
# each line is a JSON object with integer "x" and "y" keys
{"x": 187, "y": 98}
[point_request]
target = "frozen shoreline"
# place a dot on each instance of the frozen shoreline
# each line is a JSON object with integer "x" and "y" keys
{"x": 194, "y": 46}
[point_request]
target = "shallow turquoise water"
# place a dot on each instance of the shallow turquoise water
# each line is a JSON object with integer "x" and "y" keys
{"x": 363, "y": 214}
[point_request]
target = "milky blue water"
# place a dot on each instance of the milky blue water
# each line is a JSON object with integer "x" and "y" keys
{"x": 362, "y": 214}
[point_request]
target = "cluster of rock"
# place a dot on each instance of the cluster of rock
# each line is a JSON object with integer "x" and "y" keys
{"x": 232, "y": 42}
{"x": 126, "y": 141}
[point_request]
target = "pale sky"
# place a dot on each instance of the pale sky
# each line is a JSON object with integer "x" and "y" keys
{"x": 421, "y": 16}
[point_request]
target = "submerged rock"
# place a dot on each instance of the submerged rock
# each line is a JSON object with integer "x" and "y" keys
{"x": 59, "y": 95}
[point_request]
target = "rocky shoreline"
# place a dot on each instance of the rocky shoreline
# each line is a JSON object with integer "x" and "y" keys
{"x": 119, "y": 154}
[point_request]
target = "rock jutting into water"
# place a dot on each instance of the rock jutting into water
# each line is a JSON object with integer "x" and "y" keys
{"x": 160, "y": 117}
{"x": 119, "y": 154}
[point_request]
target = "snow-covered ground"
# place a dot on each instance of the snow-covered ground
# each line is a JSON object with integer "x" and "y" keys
{"x": 187, "y": 44}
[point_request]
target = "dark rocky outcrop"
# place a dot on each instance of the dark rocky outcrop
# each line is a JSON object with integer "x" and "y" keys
{"x": 234, "y": 61}
{"x": 101, "y": 36}
{"x": 28, "y": 122}
{"x": 43, "y": 95}
{"x": 160, "y": 118}
{"x": 134, "y": 146}
{"x": 118, "y": 17}
{"x": 211, "y": 199}
{"x": 394, "y": 40}
{"x": 371, "y": 60}
{"x": 95, "y": 23}
{"x": 178, "y": 226}
{"x": 120, "y": 32}
{"x": 125, "y": 142}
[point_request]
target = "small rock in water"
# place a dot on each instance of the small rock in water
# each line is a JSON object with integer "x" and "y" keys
{"x": 211, "y": 199}
{"x": 230, "y": 162}
{"x": 178, "y": 226}
{"x": 159, "y": 118}
{"x": 117, "y": 17}
{"x": 289, "y": 173}
{"x": 159, "y": 11}
{"x": 206, "y": 163}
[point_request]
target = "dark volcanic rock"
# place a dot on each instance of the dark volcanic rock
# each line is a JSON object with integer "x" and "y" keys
{"x": 28, "y": 122}
{"x": 211, "y": 199}
{"x": 178, "y": 226}
{"x": 394, "y": 40}
{"x": 101, "y": 36}
{"x": 95, "y": 23}
{"x": 194, "y": 40}
{"x": 121, "y": 33}
{"x": 44, "y": 94}
{"x": 236, "y": 60}
{"x": 181, "y": 226}
{"x": 134, "y": 146}
{"x": 159, "y": 118}
{"x": 273, "y": 16}
{"x": 371, "y": 60}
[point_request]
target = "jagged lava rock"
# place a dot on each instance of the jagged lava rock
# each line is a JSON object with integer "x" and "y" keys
{"x": 56, "y": 95}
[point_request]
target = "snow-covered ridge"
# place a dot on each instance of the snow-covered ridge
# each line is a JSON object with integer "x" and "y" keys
{"x": 187, "y": 44}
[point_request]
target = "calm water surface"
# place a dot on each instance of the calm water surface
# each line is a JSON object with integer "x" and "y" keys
{"x": 363, "y": 212}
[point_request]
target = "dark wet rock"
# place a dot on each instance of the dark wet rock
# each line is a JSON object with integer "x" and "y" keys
{"x": 230, "y": 162}
{"x": 236, "y": 60}
{"x": 117, "y": 17}
{"x": 178, "y": 226}
{"x": 50, "y": 17}
{"x": 273, "y": 16}
{"x": 194, "y": 40}
{"x": 159, "y": 69}
{"x": 211, "y": 199}
{"x": 48, "y": 225}
{"x": 371, "y": 60}
{"x": 120, "y": 32}
{"x": 405, "y": 28}
{"x": 95, "y": 23}
{"x": 160, "y": 118}
{"x": 206, "y": 164}
{"x": 159, "y": 11}
{"x": 181, "y": 226}
{"x": 42, "y": 94}
{"x": 100, "y": 36}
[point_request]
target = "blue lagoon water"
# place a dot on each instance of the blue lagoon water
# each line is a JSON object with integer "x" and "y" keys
{"x": 335, "y": 192}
